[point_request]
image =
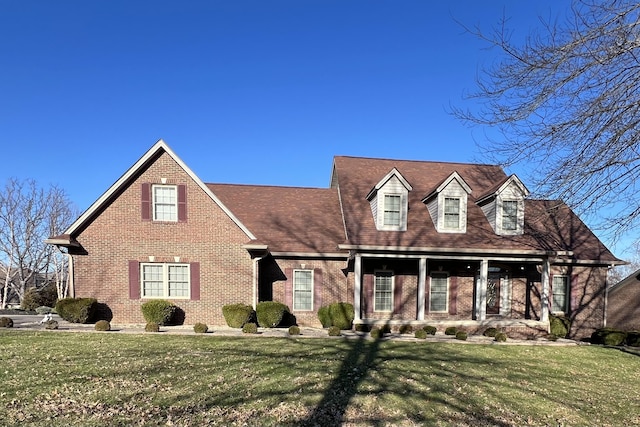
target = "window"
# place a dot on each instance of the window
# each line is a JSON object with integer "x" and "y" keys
{"x": 165, "y": 280}
{"x": 165, "y": 203}
{"x": 303, "y": 289}
{"x": 560, "y": 288}
{"x": 383, "y": 291}
{"x": 509, "y": 215}
{"x": 438, "y": 292}
{"x": 392, "y": 209}
{"x": 452, "y": 212}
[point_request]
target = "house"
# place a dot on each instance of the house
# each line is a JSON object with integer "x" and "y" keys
{"x": 406, "y": 242}
{"x": 623, "y": 303}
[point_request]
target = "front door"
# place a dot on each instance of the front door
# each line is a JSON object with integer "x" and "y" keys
{"x": 493, "y": 294}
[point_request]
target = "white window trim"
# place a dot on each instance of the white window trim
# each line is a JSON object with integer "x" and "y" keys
{"x": 393, "y": 284}
{"x": 448, "y": 277}
{"x": 384, "y": 209}
{"x": 154, "y": 202}
{"x": 165, "y": 280}
{"x": 567, "y": 292}
{"x": 462, "y": 212}
{"x": 293, "y": 290}
{"x": 501, "y": 230}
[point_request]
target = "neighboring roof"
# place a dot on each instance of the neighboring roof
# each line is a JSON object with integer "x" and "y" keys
{"x": 287, "y": 219}
{"x": 68, "y": 237}
{"x": 631, "y": 280}
{"x": 549, "y": 226}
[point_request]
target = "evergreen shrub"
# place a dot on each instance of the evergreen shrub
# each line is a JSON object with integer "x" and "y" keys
{"x": 490, "y": 332}
{"x": 431, "y": 330}
{"x": 237, "y": 315}
{"x": 608, "y": 336}
{"x": 77, "y": 310}
{"x": 51, "y": 324}
{"x": 152, "y": 327}
{"x": 6, "y": 322}
{"x": 103, "y": 325}
{"x": 462, "y": 335}
{"x": 361, "y": 327}
{"x": 406, "y": 329}
{"x": 45, "y": 296}
{"x": 559, "y": 326}
{"x": 271, "y": 313}
{"x": 200, "y": 328}
{"x": 421, "y": 334}
{"x": 633, "y": 339}
{"x": 250, "y": 328}
{"x": 158, "y": 311}
{"x": 294, "y": 330}
{"x": 341, "y": 314}
{"x": 451, "y": 330}
{"x": 500, "y": 337}
{"x": 376, "y": 333}
{"x": 334, "y": 331}
{"x": 324, "y": 317}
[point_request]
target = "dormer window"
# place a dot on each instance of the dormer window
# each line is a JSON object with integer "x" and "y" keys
{"x": 389, "y": 202}
{"x": 392, "y": 210}
{"x": 447, "y": 205}
{"x": 504, "y": 207}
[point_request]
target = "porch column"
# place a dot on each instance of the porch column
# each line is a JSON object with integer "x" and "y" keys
{"x": 481, "y": 290}
{"x": 422, "y": 279}
{"x": 544, "y": 304}
{"x": 357, "y": 289}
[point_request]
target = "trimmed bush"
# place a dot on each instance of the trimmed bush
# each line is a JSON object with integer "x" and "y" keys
{"x": 421, "y": 334}
{"x": 324, "y": 316}
{"x": 361, "y": 327}
{"x": 200, "y": 328}
{"x": 250, "y": 328}
{"x": 500, "y": 337}
{"x": 451, "y": 330}
{"x": 6, "y": 322}
{"x": 376, "y": 333}
{"x": 406, "y": 329}
{"x": 431, "y": 330}
{"x": 77, "y": 310}
{"x": 152, "y": 327}
{"x": 341, "y": 314}
{"x": 237, "y": 315}
{"x": 462, "y": 335}
{"x": 158, "y": 311}
{"x": 633, "y": 339}
{"x": 334, "y": 331}
{"x": 270, "y": 313}
{"x": 490, "y": 332}
{"x": 51, "y": 324}
{"x": 559, "y": 326}
{"x": 103, "y": 325}
{"x": 294, "y": 330}
{"x": 608, "y": 336}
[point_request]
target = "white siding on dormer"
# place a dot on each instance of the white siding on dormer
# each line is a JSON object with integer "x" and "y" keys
{"x": 493, "y": 208}
{"x": 392, "y": 187}
{"x": 454, "y": 190}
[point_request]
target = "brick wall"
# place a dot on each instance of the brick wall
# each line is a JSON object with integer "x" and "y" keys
{"x": 119, "y": 235}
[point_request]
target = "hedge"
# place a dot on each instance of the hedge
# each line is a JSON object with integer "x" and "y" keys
{"x": 340, "y": 314}
{"x": 158, "y": 311}
{"x": 238, "y": 315}
{"x": 77, "y": 310}
{"x": 271, "y": 313}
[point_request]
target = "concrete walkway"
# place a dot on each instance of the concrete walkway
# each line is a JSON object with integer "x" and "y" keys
{"x": 33, "y": 322}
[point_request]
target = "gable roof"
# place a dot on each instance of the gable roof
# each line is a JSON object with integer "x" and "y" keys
{"x": 455, "y": 176}
{"x": 287, "y": 219}
{"x": 356, "y": 176}
{"x": 67, "y": 238}
{"x": 387, "y": 177}
{"x": 500, "y": 186}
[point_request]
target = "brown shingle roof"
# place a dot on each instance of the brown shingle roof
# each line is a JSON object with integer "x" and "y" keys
{"x": 288, "y": 219}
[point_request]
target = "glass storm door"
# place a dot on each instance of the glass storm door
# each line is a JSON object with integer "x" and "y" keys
{"x": 493, "y": 294}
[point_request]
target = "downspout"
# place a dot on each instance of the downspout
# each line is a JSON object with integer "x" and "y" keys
{"x": 255, "y": 280}
{"x": 606, "y": 299}
{"x": 71, "y": 289}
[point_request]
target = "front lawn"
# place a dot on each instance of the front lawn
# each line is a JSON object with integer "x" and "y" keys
{"x": 108, "y": 379}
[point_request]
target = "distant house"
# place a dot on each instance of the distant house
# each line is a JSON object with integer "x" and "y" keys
{"x": 623, "y": 303}
{"x": 403, "y": 241}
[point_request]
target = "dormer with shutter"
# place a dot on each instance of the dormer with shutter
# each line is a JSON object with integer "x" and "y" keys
{"x": 389, "y": 202}
{"x": 447, "y": 205}
{"x": 504, "y": 207}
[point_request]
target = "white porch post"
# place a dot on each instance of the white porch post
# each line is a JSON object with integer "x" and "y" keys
{"x": 422, "y": 279}
{"x": 544, "y": 304}
{"x": 357, "y": 289}
{"x": 481, "y": 290}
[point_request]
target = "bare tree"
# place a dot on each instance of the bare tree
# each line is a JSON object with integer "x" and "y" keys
{"x": 28, "y": 215}
{"x": 566, "y": 103}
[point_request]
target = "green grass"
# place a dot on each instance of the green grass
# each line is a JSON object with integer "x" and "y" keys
{"x": 99, "y": 379}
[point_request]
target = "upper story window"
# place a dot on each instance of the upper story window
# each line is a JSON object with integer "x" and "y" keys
{"x": 389, "y": 202}
{"x": 164, "y": 280}
{"x": 165, "y": 203}
{"x": 560, "y": 289}
{"x": 303, "y": 289}
{"x": 452, "y": 212}
{"x": 392, "y": 209}
{"x": 510, "y": 215}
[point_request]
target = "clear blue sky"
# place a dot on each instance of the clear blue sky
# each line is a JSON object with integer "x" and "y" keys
{"x": 261, "y": 92}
